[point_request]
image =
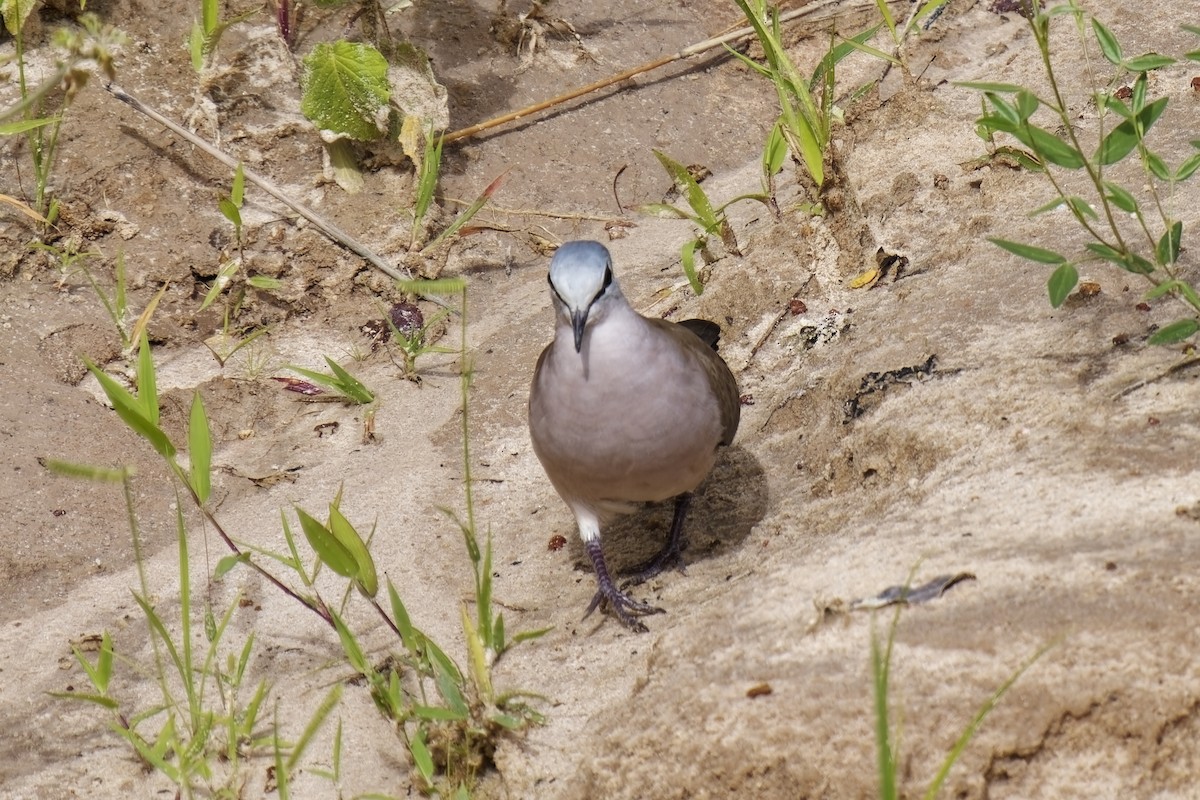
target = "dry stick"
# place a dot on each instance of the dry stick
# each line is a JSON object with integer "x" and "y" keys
{"x": 326, "y": 227}
{"x": 687, "y": 52}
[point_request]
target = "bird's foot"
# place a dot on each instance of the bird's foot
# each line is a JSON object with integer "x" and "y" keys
{"x": 625, "y": 608}
{"x": 670, "y": 557}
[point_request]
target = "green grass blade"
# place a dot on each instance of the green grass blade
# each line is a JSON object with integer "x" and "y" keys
{"x": 1038, "y": 254}
{"x": 132, "y": 412}
{"x": 200, "y": 450}
{"x": 314, "y": 724}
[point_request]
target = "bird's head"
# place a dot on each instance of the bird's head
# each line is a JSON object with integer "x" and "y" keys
{"x": 582, "y": 285}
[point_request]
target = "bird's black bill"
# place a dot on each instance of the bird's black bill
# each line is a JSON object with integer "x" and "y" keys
{"x": 578, "y": 323}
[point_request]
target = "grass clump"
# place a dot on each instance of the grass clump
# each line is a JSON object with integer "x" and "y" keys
{"x": 1131, "y": 226}
{"x": 212, "y": 718}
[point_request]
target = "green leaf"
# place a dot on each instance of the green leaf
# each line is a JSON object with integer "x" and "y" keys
{"x": 687, "y": 257}
{"x": 1149, "y": 61}
{"x": 1109, "y": 45}
{"x": 1081, "y": 207}
{"x": 1158, "y": 167}
{"x": 1167, "y": 251}
{"x": 1053, "y": 204}
{"x": 1118, "y": 143}
{"x": 1062, "y": 282}
{"x": 230, "y": 211}
{"x": 690, "y": 189}
{"x": 1120, "y": 197}
{"x": 1049, "y": 147}
{"x": 408, "y": 634}
{"x": 1030, "y": 252}
{"x": 238, "y": 191}
{"x": 985, "y": 86}
{"x": 1107, "y": 253}
{"x": 327, "y": 547}
{"x": 147, "y": 380}
{"x": 448, "y": 686}
{"x": 1114, "y": 104}
{"x": 775, "y": 152}
{"x": 264, "y": 282}
{"x": 346, "y": 90}
{"x": 1188, "y": 167}
{"x": 1005, "y": 110}
{"x": 27, "y": 125}
{"x": 365, "y": 574}
{"x": 132, "y": 412}
{"x": 15, "y": 13}
{"x": 200, "y": 450}
{"x": 1175, "y": 332}
{"x": 1027, "y": 104}
{"x": 422, "y": 760}
{"x": 87, "y": 471}
{"x": 349, "y": 385}
{"x": 229, "y": 562}
{"x": 662, "y": 210}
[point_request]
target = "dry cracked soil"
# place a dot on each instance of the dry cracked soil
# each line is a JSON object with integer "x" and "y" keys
{"x": 944, "y": 421}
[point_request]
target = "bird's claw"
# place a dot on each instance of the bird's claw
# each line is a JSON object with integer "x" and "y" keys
{"x": 625, "y": 608}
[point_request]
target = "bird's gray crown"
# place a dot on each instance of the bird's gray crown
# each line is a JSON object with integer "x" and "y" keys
{"x": 580, "y": 272}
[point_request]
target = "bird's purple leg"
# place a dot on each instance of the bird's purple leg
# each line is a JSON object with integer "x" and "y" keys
{"x": 626, "y": 608}
{"x": 671, "y": 555}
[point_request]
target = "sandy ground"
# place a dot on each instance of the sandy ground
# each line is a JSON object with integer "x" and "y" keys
{"x": 1015, "y": 454}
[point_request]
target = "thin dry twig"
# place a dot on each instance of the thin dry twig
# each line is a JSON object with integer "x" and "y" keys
{"x": 687, "y": 52}
{"x": 328, "y": 228}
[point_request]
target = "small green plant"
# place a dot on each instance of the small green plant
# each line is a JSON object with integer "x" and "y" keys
{"x": 1142, "y": 237}
{"x": 72, "y": 262}
{"x": 448, "y": 717}
{"x": 885, "y": 737}
{"x": 208, "y": 30}
{"x": 41, "y": 110}
{"x": 807, "y": 110}
{"x": 230, "y": 207}
{"x": 709, "y": 218}
{"x": 340, "y": 381}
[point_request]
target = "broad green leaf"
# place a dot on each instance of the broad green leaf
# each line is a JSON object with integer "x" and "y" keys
{"x": 1029, "y": 251}
{"x": 349, "y": 385}
{"x": 1188, "y": 167}
{"x": 1120, "y": 197}
{"x": 1027, "y": 104}
{"x": 775, "y": 151}
{"x": 147, "y": 379}
{"x": 688, "y": 258}
{"x": 1158, "y": 167}
{"x": 132, "y": 412}
{"x": 1149, "y": 61}
{"x": 689, "y": 188}
{"x": 1049, "y": 147}
{"x": 230, "y": 211}
{"x": 1118, "y": 143}
{"x": 238, "y": 191}
{"x": 403, "y": 622}
{"x": 1114, "y": 104}
{"x": 1062, "y": 282}
{"x": 1175, "y": 332}
{"x": 350, "y": 646}
{"x": 1081, "y": 207}
{"x": 421, "y": 757}
{"x": 346, "y": 90}
{"x": 200, "y": 450}
{"x": 366, "y": 576}
{"x": 331, "y": 552}
{"x": 227, "y": 563}
{"x": 1005, "y": 110}
{"x": 1106, "y": 252}
{"x": 448, "y": 686}
{"x": 1167, "y": 251}
{"x": 265, "y": 282}
{"x": 1109, "y": 45}
{"x": 15, "y": 13}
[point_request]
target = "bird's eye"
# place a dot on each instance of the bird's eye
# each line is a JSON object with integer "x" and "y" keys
{"x": 607, "y": 278}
